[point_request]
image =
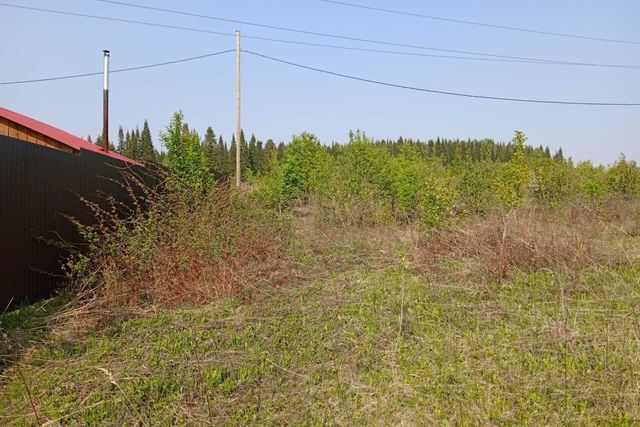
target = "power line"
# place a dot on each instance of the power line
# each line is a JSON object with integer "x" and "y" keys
{"x": 483, "y": 24}
{"x": 487, "y": 57}
{"x": 442, "y": 92}
{"x": 121, "y": 70}
{"x": 343, "y": 37}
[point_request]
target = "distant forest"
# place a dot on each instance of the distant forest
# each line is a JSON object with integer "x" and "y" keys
{"x": 259, "y": 158}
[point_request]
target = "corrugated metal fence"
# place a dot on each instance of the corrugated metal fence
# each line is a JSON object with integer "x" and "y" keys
{"x": 39, "y": 188}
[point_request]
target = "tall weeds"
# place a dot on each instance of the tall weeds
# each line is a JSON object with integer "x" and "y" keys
{"x": 185, "y": 247}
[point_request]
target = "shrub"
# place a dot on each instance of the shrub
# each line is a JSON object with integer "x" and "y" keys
{"x": 304, "y": 167}
{"x": 591, "y": 181}
{"x": 475, "y": 186}
{"x": 182, "y": 249}
{"x": 624, "y": 177}
{"x": 553, "y": 182}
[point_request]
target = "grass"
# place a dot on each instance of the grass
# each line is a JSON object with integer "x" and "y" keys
{"x": 363, "y": 334}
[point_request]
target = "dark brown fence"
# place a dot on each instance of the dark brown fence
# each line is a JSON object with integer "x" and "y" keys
{"x": 39, "y": 188}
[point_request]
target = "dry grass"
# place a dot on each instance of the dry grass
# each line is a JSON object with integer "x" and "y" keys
{"x": 534, "y": 239}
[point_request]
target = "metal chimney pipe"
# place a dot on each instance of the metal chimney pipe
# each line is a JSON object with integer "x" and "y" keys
{"x": 105, "y": 103}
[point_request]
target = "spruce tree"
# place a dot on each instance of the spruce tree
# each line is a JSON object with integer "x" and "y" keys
{"x": 120, "y": 147}
{"x": 559, "y": 156}
{"x": 126, "y": 150}
{"x": 261, "y": 165}
{"x": 137, "y": 151}
{"x": 252, "y": 162}
{"x": 244, "y": 160}
{"x": 210, "y": 151}
{"x": 146, "y": 152}
{"x": 270, "y": 156}
{"x": 280, "y": 151}
{"x": 232, "y": 156}
{"x": 222, "y": 158}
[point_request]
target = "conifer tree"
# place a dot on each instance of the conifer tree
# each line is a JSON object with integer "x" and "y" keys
{"x": 232, "y": 156}
{"x": 251, "y": 155}
{"x": 559, "y": 156}
{"x": 280, "y": 151}
{"x": 222, "y": 158}
{"x": 261, "y": 166}
{"x": 146, "y": 152}
{"x": 120, "y": 147}
{"x": 210, "y": 150}
{"x": 136, "y": 150}
{"x": 270, "y": 156}
{"x": 244, "y": 160}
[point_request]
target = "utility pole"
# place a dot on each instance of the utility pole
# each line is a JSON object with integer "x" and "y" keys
{"x": 238, "y": 127}
{"x": 105, "y": 103}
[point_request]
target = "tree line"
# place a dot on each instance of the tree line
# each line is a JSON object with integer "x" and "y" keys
{"x": 259, "y": 158}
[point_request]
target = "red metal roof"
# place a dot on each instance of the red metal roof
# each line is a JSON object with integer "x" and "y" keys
{"x": 59, "y": 135}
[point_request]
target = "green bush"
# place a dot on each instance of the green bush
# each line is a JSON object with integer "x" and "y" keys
{"x": 624, "y": 178}
{"x": 553, "y": 182}
{"x": 475, "y": 186}
{"x": 591, "y": 181}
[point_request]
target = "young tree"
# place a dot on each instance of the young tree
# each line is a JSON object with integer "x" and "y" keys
{"x": 515, "y": 175}
{"x": 185, "y": 157}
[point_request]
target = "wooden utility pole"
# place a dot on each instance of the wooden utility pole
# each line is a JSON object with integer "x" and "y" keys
{"x": 105, "y": 103}
{"x": 238, "y": 127}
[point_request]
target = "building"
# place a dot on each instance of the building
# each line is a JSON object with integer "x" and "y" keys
{"x": 18, "y": 126}
{"x": 48, "y": 177}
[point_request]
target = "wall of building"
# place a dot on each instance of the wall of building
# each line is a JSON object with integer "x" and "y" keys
{"x": 17, "y": 131}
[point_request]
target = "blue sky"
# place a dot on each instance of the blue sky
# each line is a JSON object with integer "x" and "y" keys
{"x": 279, "y": 101}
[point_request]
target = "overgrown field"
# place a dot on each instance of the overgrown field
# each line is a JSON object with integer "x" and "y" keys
{"x": 374, "y": 327}
{"x": 360, "y": 288}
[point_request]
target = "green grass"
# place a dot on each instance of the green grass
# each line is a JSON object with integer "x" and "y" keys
{"x": 356, "y": 346}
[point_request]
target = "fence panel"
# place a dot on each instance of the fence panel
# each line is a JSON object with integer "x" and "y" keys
{"x": 39, "y": 188}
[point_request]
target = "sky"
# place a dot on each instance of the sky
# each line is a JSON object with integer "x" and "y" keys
{"x": 279, "y": 101}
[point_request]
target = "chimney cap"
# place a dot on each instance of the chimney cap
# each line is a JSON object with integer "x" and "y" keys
{"x": 106, "y": 52}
